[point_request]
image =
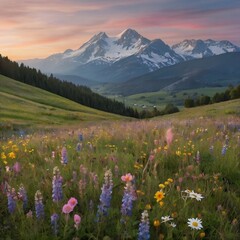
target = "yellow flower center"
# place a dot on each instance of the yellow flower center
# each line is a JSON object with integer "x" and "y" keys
{"x": 195, "y": 224}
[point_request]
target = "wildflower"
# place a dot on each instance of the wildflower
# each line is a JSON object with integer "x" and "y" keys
{"x": 53, "y": 154}
{"x": 166, "y": 219}
{"x": 64, "y": 156}
{"x": 148, "y": 207}
{"x": 17, "y": 167}
{"x": 39, "y": 208}
{"x": 11, "y": 195}
{"x": 23, "y": 196}
{"x": 159, "y": 195}
{"x": 12, "y": 155}
{"x": 127, "y": 178}
{"x": 169, "y": 136}
{"x": 224, "y": 149}
{"x": 78, "y": 147}
{"x": 156, "y": 223}
{"x": 54, "y": 219}
{"x": 106, "y": 195}
{"x": 57, "y": 193}
{"x": 67, "y": 208}
{"x": 161, "y": 203}
{"x": 195, "y": 223}
{"x": 77, "y": 220}
{"x": 129, "y": 197}
{"x": 202, "y": 235}
{"x": 172, "y": 224}
{"x": 170, "y": 180}
{"x": 197, "y": 196}
{"x": 143, "y": 232}
{"x": 161, "y": 185}
{"x": 80, "y": 137}
{"x": 72, "y": 202}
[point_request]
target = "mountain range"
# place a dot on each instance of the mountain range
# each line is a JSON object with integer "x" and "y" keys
{"x": 216, "y": 71}
{"x": 123, "y": 57}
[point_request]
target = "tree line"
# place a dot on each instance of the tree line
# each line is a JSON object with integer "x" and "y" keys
{"x": 76, "y": 93}
{"x": 230, "y": 94}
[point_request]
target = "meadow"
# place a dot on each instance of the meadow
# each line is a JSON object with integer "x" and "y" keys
{"x": 164, "y": 178}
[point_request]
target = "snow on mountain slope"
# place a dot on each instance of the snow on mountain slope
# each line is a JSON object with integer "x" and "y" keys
{"x": 109, "y": 49}
{"x": 199, "y": 48}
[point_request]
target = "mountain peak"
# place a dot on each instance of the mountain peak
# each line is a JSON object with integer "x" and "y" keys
{"x": 129, "y": 33}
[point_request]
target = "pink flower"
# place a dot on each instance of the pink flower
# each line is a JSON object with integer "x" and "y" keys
{"x": 77, "y": 219}
{"x": 67, "y": 208}
{"x": 169, "y": 136}
{"x": 127, "y": 178}
{"x": 151, "y": 157}
{"x": 72, "y": 202}
{"x": 17, "y": 167}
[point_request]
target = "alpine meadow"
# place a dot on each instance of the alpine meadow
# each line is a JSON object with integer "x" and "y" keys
{"x": 124, "y": 134}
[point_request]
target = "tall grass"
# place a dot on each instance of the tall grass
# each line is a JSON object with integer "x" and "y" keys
{"x": 192, "y": 162}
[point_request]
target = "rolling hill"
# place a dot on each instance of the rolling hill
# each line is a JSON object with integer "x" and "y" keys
{"x": 216, "y": 71}
{"x": 22, "y": 104}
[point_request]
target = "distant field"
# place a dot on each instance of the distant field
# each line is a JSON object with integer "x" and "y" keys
{"x": 220, "y": 110}
{"x": 161, "y": 98}
{"x": 22, "y": 104}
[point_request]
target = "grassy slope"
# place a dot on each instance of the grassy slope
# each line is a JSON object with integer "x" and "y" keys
{"x": 27, "y": 105}
{"x": 217, "y": 111}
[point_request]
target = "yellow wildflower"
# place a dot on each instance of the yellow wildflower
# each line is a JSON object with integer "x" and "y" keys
{"x": 12, "y": 155}
{"x": 148, "y": 207}
{"x": 156, "y": 223}
{"x": 159, "y": 195}
{"x": 161, "y": 185}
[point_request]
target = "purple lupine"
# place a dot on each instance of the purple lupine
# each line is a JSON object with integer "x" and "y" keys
{"x": 79, "y": 147}
{"x": 106, "y": 195}
{"x": 224, "y": 149}
{"x": 143, "y": 231}
{"x": 64, "y": 158}
{"x": 11, "y": 195}
{"x": 128, "y": 198}
{"x": 23, "y": 196}
{"x": 80, "y": 137}
{"x": 57, "y": 192}
{"x": 39, "y": 207}
{"x": 54, "y": 223}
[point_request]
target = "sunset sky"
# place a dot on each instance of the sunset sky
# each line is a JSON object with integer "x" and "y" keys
{"x": 39, "y": 28}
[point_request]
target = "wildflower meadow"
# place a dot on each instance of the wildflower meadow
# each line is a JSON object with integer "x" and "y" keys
{"x": 154, "y": 179}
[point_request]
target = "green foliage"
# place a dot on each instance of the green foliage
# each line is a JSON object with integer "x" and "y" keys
{"x": 230, "y": 94}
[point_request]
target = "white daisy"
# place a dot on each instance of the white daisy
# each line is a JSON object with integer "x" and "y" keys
{"x": 166, "y": 219}
{"x": 173, "y": 224}
{"x": 197, "y": 196}
{"x": 195, "y": 223}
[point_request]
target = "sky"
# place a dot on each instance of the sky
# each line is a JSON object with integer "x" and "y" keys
{"x": 39, "y": 28}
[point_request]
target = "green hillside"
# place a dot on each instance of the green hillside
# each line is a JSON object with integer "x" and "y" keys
{"x": 23, "y": 104}
{"x": 215, "y": 111}
{"x": 161, "y": 98}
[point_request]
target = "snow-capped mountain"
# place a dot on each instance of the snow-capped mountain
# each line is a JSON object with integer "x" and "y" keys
{"x": 125, "y": 56}
{"x": 95, "y": 58}
{"x": 199, "y": 48}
